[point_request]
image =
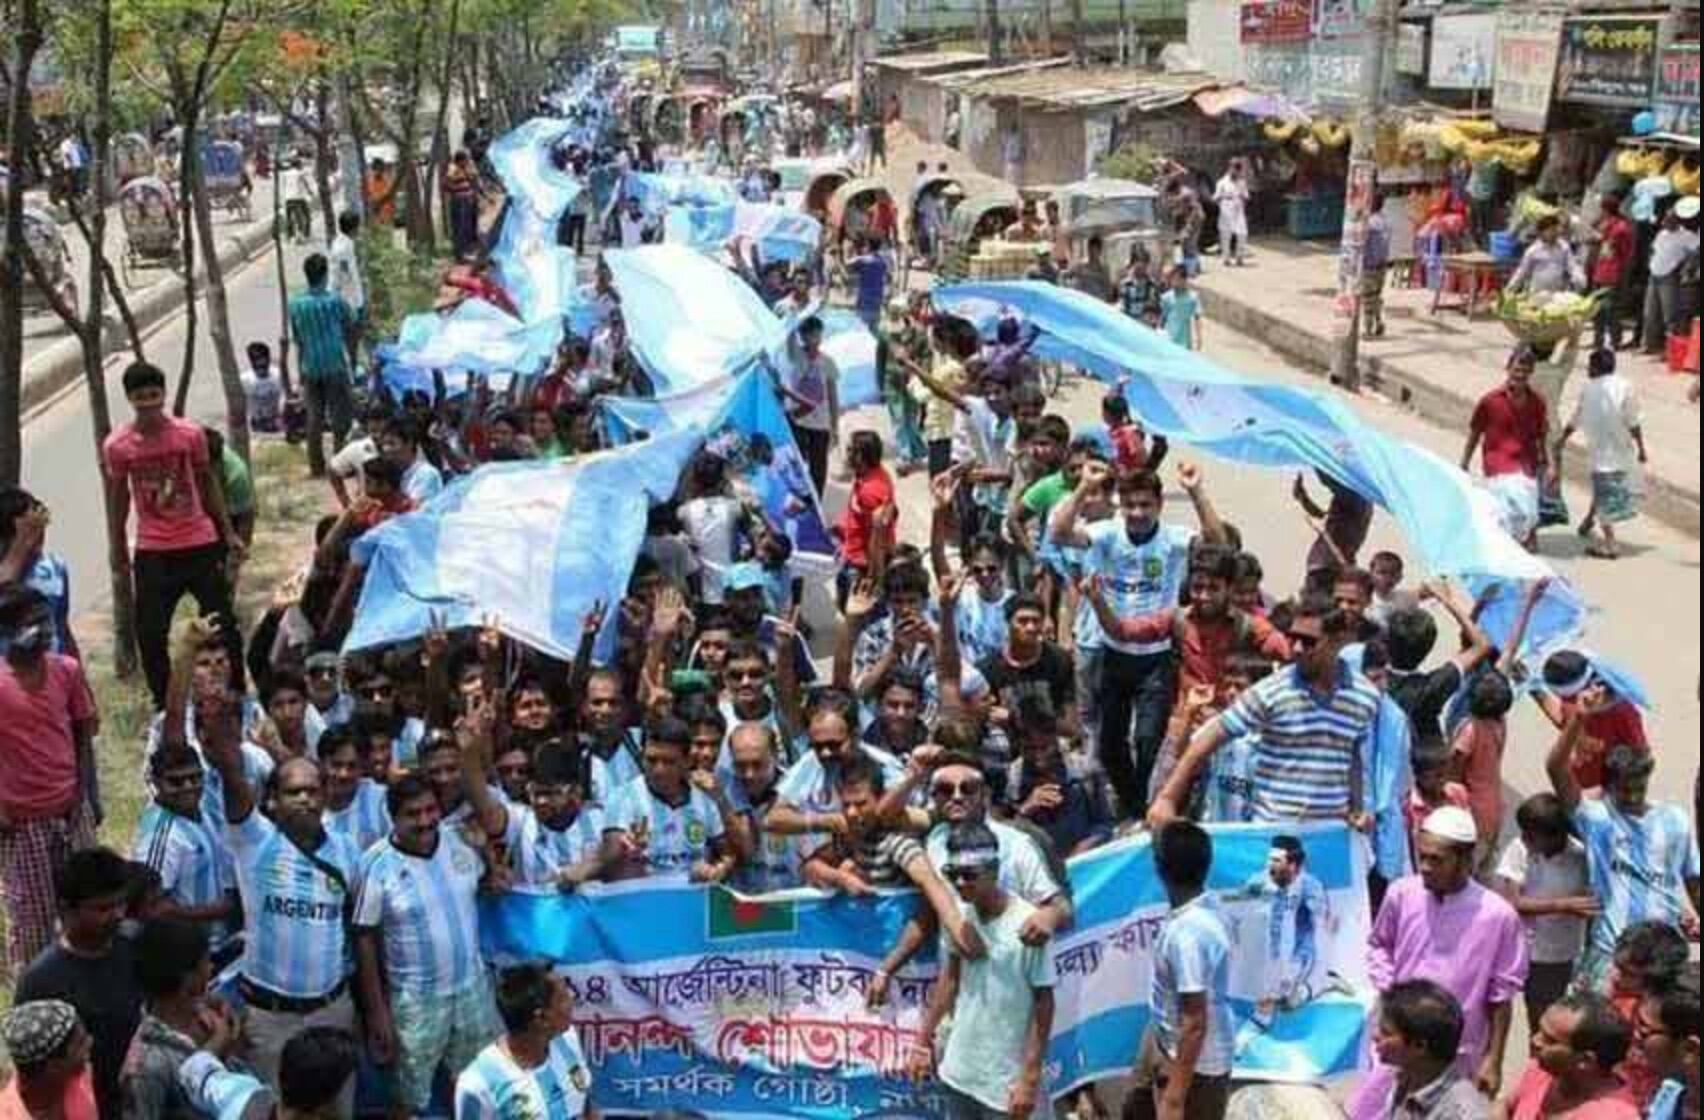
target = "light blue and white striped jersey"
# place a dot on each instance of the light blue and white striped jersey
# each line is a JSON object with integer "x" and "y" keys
{"x": 365, "y": 820}
{"x": 405, "y": 748}
{"x": 537, "y": 851}
{"x": 1140, "y": 578}
{"x": 981, "y": 624}
{"x": 609, "y": 776}
{"x": 1230, "y": 782}
{"x": 680, "y": 836}
{"x": 1309, "y": 741}
{"x": 1193, "y": 957}
{"x": 1666, "y": 1105}
{"x": 1639, "y": 866}
{"x": 425, "y": 909}
{"x": 1294, "y": 915}
{"x": 494, "y": 1087}
{"x": 295, "y": 941}
{"x": 808, "y": 785}
{"x": 189, "y": 859}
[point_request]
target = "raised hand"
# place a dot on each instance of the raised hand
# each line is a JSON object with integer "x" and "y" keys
{"x": 1189, "y": 476}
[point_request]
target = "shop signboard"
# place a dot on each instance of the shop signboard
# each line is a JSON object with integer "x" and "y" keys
{"x": 1411, "y": 48}
{"x": 1528, "y": 45}
{"x": 1334, "y": 19}
{"x": 1464, "y": 50}
{"x": 1609, "y": 60}
{"x": 1277, "y": 21}
{"x": 1677, "y": 89}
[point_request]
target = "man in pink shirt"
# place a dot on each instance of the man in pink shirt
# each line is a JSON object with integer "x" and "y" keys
{"x": 50, "y": 1052}
{"x": 184, "y": 538}
{"x": 48, "y": 803}
{"x": 1579, "y": 1043}
{"x": 1442, "y": 926}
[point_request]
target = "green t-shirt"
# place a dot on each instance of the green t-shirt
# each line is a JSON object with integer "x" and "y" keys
{"x": 1046, "y": 493}
{"x": 239, "y": 486}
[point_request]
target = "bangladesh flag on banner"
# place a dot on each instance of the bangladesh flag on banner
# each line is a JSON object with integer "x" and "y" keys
{"x": 728, "y": 915}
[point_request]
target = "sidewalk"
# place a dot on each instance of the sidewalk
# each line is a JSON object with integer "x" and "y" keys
{"x": 1441, "y": 364}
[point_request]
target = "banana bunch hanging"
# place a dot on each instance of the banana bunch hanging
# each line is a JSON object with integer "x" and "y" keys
{"x": 1684, "y": 176}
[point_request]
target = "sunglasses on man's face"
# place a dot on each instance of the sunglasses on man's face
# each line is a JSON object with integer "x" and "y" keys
{"x": 1301, "y": 643}
{"x": 963, "y": 874}
{"x": 946, "y": 791}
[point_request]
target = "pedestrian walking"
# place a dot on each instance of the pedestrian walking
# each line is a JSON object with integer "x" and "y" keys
{"x": 320, "y": 323}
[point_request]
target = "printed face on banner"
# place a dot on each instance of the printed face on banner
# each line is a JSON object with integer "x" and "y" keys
{"x": 757, "y": 1006}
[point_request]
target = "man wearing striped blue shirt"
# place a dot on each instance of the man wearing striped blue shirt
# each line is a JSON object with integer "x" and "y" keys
{"x": 537, "y": 1068}
{"x": 354, "y": 804}
{"x": 423, "y": 984}
{"x": 1310, "y": 719}
{"x": 177, "y": 841}
{"x": 295, "y": 880}
{"x": 1642, "y": 856}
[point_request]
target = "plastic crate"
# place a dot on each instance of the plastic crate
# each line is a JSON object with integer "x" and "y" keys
{"x": 1313, "y": 216}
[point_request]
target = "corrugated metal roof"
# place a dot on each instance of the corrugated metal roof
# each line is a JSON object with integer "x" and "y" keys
{"x": 960, "y": 81}
{"x": 1071, "y": 88}
{"x": 933, "y": 60}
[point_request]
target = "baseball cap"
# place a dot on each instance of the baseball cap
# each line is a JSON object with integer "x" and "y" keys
{"x": 744, "y": 576}
{"x": 1452, "y": 823}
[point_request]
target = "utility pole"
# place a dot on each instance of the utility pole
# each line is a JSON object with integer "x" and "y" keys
{"x": 1362, "y": 182}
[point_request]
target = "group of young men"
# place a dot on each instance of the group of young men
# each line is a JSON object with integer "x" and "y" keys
{"x": 1034, "y": 664}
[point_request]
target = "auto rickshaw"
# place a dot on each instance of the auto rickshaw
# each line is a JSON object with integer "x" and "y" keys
{"x": 929, "y": 186}
{"x": 976, "y": 218}
{"x": 1122, "y": 213}
{"x": 150, "y": 214}
{"x": 852, "y": 212}
{"x": 820, "y": 191}
{"x": 132, "y": 157}
{"x": 42, "y": 235}
{"x": 226, "y": 179}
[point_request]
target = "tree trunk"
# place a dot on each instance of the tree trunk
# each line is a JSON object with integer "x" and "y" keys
{"x": 283, "y": 280}
{"x": 219, "y": 328}
{"x": 992, "y": 10}
{"x": 323, "y": 159}
{"x": 440, "y": 126}
{"x": 1079, "y": 40}
{"x": 19, "y": 129}
{"x": 189, "y": 173}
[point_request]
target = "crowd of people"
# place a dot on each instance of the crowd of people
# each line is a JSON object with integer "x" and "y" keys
{"x": 1038, "y": 661}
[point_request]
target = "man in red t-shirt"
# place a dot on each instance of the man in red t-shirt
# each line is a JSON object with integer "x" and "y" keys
{"x": 1511, "y": 423}
{"x": 184, "y": 538}
{"x": 48, "y": 801}
{"x": 865, "y": 531}
{"x": 1610, "y": 268}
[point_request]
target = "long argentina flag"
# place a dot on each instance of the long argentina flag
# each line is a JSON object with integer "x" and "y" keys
{"x": 532, "y": 544}
{"x": 1452, "y": 523}
{"x": 693, "y": 997}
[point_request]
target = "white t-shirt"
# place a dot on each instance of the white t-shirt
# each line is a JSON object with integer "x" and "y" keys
{"x": 711, "y": 522}
{"x": 1607, "y": 413}
{"x": 353, "y": 459}
{"x": 1555, "y": 938}
{"x": 346, "y": 272}
{"x": 810, "y": 380}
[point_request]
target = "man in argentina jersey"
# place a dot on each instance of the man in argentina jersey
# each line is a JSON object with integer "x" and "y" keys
{"x": 295, "y": 880}
{"x": 354, "y": 804}
{"x": 537, "y": 1070}
{"x": 1642, "y": 856}
{"x": 612, "y": 747}
{"x": 556, "y": 838}
{"x": 423, "y": 984}
{"x": 178, "y": 842}
{"x": 659, "y": 823}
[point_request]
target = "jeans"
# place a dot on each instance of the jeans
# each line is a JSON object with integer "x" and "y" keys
{"x": 962, "y": 1106}
{"x": 162, "y": 580}
{"x": 331, "y": 405}
{"x": 1137, "y": 692}
{"x": 1606, "y": 329}
{"x": 298, "y": 220}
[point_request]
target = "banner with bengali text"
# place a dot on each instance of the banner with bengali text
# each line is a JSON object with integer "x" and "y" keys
{"x": 693, "y": 997}
{"x": 1528, "y": 45}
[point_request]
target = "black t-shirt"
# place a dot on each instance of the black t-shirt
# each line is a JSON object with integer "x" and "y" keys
{"x": 1424, "y": 695}
{"x": 1049, "y": 677}
{"x": 107, "y": 998}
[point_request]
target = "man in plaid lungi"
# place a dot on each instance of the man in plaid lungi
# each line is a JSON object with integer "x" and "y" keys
{"x": 47, "y": 724}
